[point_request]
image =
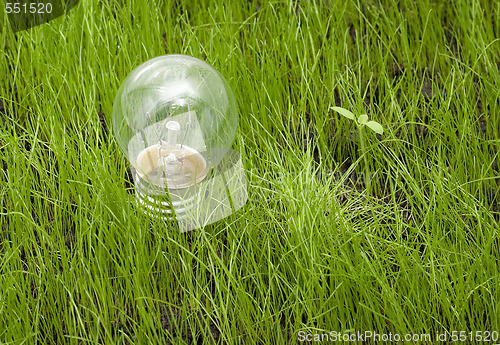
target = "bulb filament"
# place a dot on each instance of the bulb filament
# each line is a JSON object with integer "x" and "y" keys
{"x": 170, "y": 153}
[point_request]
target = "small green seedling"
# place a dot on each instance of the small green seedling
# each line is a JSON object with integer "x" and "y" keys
{"x": 362, "y": 121}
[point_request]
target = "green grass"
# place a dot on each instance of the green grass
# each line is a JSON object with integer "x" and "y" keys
{"x": 312, "y": 251}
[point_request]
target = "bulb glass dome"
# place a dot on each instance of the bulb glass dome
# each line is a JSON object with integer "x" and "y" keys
{"x": 175, "y": 119}
{"x": 174, "y": 110}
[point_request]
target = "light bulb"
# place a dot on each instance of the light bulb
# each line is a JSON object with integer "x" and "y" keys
{"x": 175, "y": 119}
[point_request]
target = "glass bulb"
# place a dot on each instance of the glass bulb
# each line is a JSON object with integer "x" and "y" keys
{"x": 174, "y": 104}
{"x": 175, "y": 119}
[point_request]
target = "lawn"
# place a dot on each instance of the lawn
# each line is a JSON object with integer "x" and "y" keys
{"x": 316, "y": 250}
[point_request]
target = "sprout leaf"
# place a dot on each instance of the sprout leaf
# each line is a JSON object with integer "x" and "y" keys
{"x": 344, "y": 112}
{"x": 375, "y": 126}
{"x": 363, "y": 119}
